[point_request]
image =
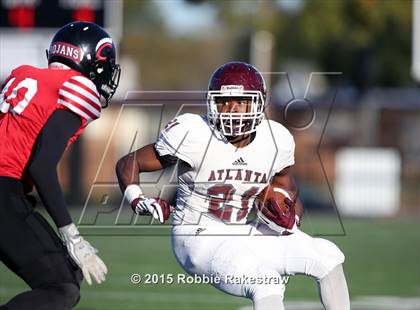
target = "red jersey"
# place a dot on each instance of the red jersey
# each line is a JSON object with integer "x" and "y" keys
{"x": 29, "y": 96}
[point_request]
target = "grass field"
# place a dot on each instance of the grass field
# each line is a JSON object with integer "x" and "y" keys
{"x": 382, "y": 259}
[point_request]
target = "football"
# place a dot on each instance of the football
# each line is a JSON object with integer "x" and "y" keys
{"x": 275, "y": 207}
{"x": 271, "y": 193}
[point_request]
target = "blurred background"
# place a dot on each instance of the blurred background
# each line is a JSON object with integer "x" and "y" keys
{"x": 342, "y": 76}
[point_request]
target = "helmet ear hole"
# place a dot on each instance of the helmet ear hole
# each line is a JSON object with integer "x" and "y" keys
{"x": 92, "y": 75}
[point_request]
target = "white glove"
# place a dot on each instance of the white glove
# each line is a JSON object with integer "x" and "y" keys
{"x": 143, "y": 205}
{"x": 158, "y": 208}
{"x": 83, "y": 254}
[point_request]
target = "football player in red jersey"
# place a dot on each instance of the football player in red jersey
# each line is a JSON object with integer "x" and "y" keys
{"x": 42, "y": 111}
{"x": 225, "y": 159}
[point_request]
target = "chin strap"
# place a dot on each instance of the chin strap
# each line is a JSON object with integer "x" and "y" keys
{"x": 250, "y": 137}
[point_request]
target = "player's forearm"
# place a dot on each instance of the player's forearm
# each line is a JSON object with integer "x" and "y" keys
{"x": 299, "y": 208}
{"x": 46, "y": 182}
{"x": 43, "y": 171}
{"x": 285, "y": 179}
{"x": 50, "y": 146}
{"x": 127, "y": 170}
{"x": 145, "y": 159}
{"x": 298, "y": 203}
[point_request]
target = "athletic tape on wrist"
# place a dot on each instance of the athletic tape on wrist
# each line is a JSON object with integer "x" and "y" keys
{"x": 132, "y": 192}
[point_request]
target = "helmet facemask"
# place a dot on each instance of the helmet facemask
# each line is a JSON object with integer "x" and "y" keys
{"x": 235, "y": 123}
{"x": 106, "y": 77}
{"x": 106, "y": 73}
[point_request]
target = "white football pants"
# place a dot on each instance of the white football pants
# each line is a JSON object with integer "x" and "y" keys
{"x": 249, "y": 259}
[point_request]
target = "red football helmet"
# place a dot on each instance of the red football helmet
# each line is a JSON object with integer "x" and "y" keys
{"x": 236, "y": 79}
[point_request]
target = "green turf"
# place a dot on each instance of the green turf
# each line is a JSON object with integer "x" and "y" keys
{"x": 382, "y": 258}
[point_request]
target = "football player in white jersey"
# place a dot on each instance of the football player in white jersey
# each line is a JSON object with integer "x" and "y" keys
{"x": 225, "y": 159}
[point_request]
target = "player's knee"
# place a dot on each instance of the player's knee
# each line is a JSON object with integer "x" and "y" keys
{"x": 330, "y": 256}
{"x": 331, "y": 251}
{"x": 268, "y": 284}
{"x": 267, "y": 298}
{"x": 67, "y": 293}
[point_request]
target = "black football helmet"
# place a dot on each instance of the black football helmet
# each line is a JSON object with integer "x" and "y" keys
{"x": 88, "y": 49}
{"x": 236, "y": 79}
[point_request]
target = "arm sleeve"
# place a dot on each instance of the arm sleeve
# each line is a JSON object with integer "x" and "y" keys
{"x": 50, "y": 146}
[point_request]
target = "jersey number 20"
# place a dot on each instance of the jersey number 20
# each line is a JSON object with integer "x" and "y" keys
{"x": 221, "y": 195}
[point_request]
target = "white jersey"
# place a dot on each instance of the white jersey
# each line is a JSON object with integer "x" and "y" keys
{"x": 216, "y": 179}
{"x": 217, "y": 186}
